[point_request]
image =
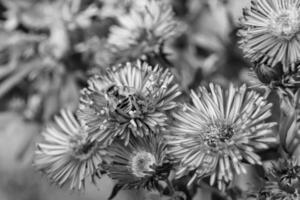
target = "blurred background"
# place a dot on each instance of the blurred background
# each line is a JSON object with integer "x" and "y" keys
{"x": 48, "y": 49}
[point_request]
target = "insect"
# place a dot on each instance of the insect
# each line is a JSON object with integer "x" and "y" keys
{"x": 267, "y": 74}
{"x": 123, "y": 101}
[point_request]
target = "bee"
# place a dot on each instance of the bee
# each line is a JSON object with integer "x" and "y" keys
{"x": 122, "y": 100}
{"x": 267, "y": 74}
{"x": 112, "y": 96}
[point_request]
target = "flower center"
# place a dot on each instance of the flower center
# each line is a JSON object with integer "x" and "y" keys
{"x": 286, "y": 25}
{"x": 226, "y": 133}
{"x": 81, "y": 148}
{"x": 142, "y": 164}
{"x": 290, "y": 176}
{"x": 219, "y": 135}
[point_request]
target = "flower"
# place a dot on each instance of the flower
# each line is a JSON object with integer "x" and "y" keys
{"x": 146, "y": 25}
{"x": 270, "y": 32}
{"x": 218, "y": 132}
{"x": 130, "y": 100}
{"x": 140, "y": 164}
{"x": 286, "y": 172}
{"x": 273, "y": 191}
{"x": 65, "y": 154}
{"x": 115, "y": 8}
{"x": 283, "y": 180}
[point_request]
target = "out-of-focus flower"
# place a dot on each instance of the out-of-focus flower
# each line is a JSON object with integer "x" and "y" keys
{"x": 219, "y": 131}
{"x": 42, "y": 14}
{"x": 40, "y": 39}
{"x": 95, "y": 51}
{"x": 144, "y": 27}
{"x": 57, "y": 46}
{"x": 116, "y": 8}
{"x": 140, "y": 164}
{"x": 78, "y": 15}
{"x": 270, "y": 32}
{"x": 129, "y": 100}
{"x": 66, "y": 155}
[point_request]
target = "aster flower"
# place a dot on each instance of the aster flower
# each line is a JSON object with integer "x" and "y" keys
{"x": 271, "y": 31}
{"x": 140, "y": 164}
{"x": 273, "y": 191}
{"x": 147, "y": 25}
{"x": 286, "y": 172}
{"x": 130, "y": 100}
{"x": 283, "y": 181}
{"x": 65, "y": 154}
{"x": 220, "y": 130}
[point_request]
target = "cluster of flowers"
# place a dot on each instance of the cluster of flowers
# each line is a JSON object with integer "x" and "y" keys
{"x": 270, "y": 38}
{"x": 132, "y": 125}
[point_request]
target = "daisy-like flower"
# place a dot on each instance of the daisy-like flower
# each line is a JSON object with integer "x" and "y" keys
{"x": 140, "y": 164}
{"x": 273, "y": 191}
{"x": 147, "y": 25}
{"x": 271, "y": 30}
{"x": 218, "y": 132}
{"x": 66, "y": 155}
{"x": 130, "y": 100}
{"x": 286, "y": 172}
{"x": 283, "y": 181}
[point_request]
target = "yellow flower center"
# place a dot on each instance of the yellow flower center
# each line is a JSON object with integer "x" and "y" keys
{"x": 218, "y": 135}
{"x": 81, "y": 148}
{"x": 142, "y": 164}
{"x": 285, "y": 25}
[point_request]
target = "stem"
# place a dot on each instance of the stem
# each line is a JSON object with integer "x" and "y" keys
{"x": 170, "y": 187}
